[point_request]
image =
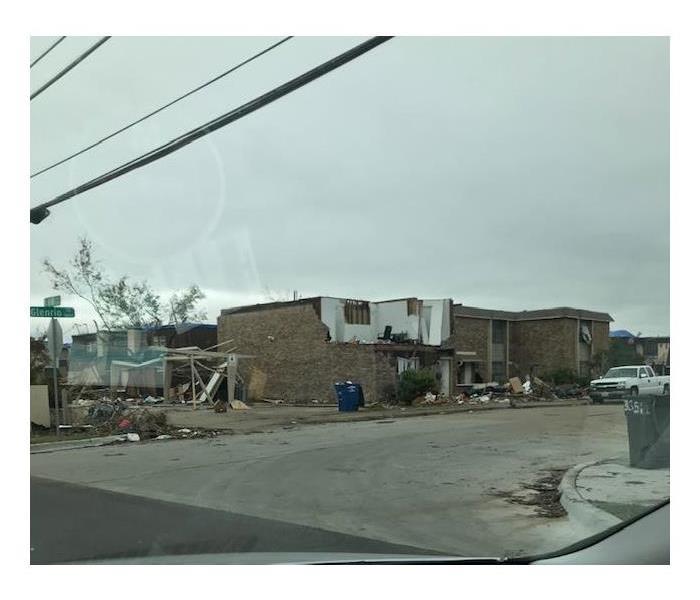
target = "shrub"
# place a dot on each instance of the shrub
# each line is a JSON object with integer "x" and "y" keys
{"x": 560, "y": 376}
{"x": 414, "y": 383}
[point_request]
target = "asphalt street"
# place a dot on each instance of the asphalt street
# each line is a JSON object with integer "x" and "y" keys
{"x": 77, "y": 523}
{"x": 418, "y": 485}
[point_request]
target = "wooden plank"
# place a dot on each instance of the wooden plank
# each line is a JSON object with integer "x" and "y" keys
{"x": 231, "y": 371}
{"x": 204, "y": 387}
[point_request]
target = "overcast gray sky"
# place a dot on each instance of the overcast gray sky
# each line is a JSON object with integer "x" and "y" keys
{"x": 506, "y": 173}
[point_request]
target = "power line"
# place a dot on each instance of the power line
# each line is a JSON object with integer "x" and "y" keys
{"x": 45, "y": 52}
{"x": 77, "y": 61}
{"x": 40, "y": 212}
{"x": 155, "y": 112}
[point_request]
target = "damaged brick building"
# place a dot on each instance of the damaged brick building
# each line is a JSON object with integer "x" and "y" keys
{"x": 302, "y": 347}
{"x": 499, "y": 344}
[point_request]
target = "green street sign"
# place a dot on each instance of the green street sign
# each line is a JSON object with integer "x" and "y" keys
{"x": 52, "y": 301}
{"x": 51, "y": 311}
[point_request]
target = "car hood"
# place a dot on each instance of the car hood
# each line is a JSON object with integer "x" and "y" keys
{"x": 291, "y": 558}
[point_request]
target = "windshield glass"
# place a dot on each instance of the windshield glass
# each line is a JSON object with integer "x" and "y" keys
{"x": 289, "y": 294}
{"x": 613, "y": 373}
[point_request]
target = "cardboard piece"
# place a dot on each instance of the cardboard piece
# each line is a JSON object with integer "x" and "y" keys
{"x": 516, "y": 385}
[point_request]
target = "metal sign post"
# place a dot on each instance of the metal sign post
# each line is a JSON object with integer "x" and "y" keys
{"x": 55, "y": 344}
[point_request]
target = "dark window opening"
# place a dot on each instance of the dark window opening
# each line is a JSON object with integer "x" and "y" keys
{"x": 356, "y": 312}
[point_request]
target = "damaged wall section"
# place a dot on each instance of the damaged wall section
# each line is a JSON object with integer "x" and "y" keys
{"x": 292, "y": 352}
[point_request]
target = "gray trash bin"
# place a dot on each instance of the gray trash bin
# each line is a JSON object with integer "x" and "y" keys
{"x": 648, "y": 431}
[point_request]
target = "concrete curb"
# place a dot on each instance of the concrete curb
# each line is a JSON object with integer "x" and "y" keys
{"x": 580, "y": 509}
{"x": 73, "y": 445}
{"x": 446, "y": 409}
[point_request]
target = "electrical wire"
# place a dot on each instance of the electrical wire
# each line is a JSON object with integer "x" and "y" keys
{"x": 162, "y": 108}
{"x": 45, "y": 52}
{"x": 70, "y": 67}
{"x": 40, "y": 212}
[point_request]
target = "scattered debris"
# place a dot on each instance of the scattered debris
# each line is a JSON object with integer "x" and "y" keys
{"x": 164, "y": 437}
{"x": 133, "y": 437}
{"x": 152, "y": 400}
{"x": 184, "y": 430}
{"x": 238, "y": 405}
{"x": 269, "y": 401}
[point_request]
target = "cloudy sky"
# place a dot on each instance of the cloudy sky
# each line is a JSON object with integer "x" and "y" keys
{"x": 506, "y": 173}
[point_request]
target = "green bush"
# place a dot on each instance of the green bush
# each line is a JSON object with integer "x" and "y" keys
{"x": 560, "y": 376}
{"x": 415, "y": 383}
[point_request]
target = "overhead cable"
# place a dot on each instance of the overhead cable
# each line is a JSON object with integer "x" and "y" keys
{"x": 45, "y": 52}
{"x": 40, "y": 212}
{"x": 70, "y": 67}
{"x": 162, "y": 108}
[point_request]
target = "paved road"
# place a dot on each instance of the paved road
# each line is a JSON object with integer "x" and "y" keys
{"x": 74, "y": 523}
{"x": 426, "y": 482}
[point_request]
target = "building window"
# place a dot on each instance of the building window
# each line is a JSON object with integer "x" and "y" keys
{"x": 584, "y": 332}
{"x": 405, "y": 364}
{"x": 159, "y": 340}
{"x": 464, "y": 373}
{"x": 356, "y": 312}
{"x": 651, "y": 348}
{"x": 498, "y": 371}
{"x": 412, "y": 306}
{"x": 498, "y": 332}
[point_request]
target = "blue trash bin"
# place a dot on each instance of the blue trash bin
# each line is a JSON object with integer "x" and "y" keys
{"x": 349, "y": 395}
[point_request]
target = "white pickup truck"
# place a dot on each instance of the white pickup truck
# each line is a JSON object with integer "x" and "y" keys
{"x": 631, "y": 381}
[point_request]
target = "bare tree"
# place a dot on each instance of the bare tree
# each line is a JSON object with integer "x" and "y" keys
{"x": 121, "y": 303}
{"x": 183, "y": 306}
{"x": 85, "y": 281}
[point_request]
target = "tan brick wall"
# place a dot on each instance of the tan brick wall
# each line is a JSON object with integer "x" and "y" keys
{"x": 601, "y": 339}
{"x": 547, "y": 343}
{"x": 470, "y": 335}
{"x": 298, "y": 364}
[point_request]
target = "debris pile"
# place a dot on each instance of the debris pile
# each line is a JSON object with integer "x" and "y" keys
{"x": 478, "y": 398}
{"x": 145, "y": 423}
{"x": 135, "y": 423}
{"x": 571, "y": 390}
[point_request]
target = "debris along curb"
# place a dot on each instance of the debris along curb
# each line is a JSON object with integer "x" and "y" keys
{"x": 577, "y": 402}
{"x": 75, "y": 444}
{"x": 372, "y": 415}
{"x": 580, "y": 509}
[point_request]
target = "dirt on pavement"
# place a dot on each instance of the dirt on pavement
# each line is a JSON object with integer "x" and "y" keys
{"x": 543, "y": 494}
{"x": 264, "y": 417}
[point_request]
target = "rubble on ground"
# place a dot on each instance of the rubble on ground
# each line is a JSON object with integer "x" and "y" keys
{"x": 514, "y": 393}
{"x": 118, "y": 417}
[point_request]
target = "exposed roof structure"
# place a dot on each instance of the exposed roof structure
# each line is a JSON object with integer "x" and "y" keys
{"x": 459, "y": 310}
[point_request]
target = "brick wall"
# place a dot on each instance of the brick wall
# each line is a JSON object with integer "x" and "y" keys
{"x": 601, "y": 337}
{"x": 299, "y": 364}
{"x": 470, "y": 334}
{"x": 547, "y": 344}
